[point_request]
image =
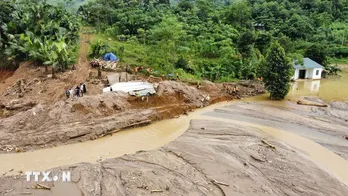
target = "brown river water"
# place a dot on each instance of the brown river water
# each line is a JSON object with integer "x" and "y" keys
{"x": 333, "y": 89}
{"x": 161, "y": 133}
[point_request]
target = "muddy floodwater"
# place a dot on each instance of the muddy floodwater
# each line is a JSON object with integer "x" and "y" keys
{"x": 316, "y": 132}
{"x": 120, "y": 143}
{"x": 332, "y": 89}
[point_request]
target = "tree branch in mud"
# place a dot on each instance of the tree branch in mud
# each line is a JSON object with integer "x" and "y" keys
{"x": 156, "y": 191}
{"x": 312, "y": 104}
{"x": 219, "y": 183}
{"x": 268, "y": 144}
{"x": 41, "y": 186}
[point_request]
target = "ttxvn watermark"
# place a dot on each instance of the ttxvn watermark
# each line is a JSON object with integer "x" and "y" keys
{"x": 47, "y": 176}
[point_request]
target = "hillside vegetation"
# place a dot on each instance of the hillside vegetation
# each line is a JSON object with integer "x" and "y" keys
{"x": 71, "y": 5}
{"x": 40, "y": 32}
{"x": 217, "y": 40}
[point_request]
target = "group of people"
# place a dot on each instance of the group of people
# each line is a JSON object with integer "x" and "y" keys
{"x": 77, "y": 91}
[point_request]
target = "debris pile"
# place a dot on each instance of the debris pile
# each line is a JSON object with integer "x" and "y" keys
{"x": 21, "y": 87}
{"x": 106, "y": 65}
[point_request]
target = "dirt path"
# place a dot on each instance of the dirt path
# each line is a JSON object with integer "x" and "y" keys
{"x": 83, "y": 68}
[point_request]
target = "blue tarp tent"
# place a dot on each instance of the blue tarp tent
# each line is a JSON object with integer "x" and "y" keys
{"x": 110, "y": 57}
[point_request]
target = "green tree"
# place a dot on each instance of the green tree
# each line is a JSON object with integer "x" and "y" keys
{"x": 318, "y": 53}
{"x": 238, "y": 14}
{"x": 277, "y": 72}
{"x": 42, "y": 33}
{"x": 245, "y": 44}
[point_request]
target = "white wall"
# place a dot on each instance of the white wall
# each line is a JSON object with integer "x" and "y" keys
{"x": 296, "y": 75}
{"x": 309, "y": 73}
{"x": 314, "y": 75}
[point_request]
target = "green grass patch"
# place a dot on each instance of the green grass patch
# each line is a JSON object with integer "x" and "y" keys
{"x": 338, "y": 60}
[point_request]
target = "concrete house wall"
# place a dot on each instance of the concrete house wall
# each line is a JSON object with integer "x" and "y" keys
{"x": 310, "y": 73}
{"x": 316, "y": 73}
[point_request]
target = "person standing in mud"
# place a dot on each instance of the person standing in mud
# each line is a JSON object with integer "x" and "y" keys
{"x": 84, "y": 88}
{"x": 77, "y": 91}
{"x": 81, "y": 89}
{"x": 71, "y": 92}
{"x": 136, "y": 72}
{"x": 67, "y": 93}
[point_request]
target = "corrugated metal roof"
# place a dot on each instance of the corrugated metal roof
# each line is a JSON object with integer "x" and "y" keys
{"x": 307, "y": 64}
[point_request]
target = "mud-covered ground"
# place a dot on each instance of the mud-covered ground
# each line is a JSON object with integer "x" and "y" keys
{"x": 211, "y": 158}
{"x": 34, "y": 112}
{"x": 327, "y": 126}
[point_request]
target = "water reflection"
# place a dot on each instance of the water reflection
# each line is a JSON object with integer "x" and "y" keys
{"x": 311, "y": 87}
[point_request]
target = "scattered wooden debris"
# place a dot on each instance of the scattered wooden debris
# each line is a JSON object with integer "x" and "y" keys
{"x": 41, "y": 186}
{"x": 220, "y": 183}
{"x": 108, "y": 65}
{"x": 25, "y": 193}
{"x": 268, "y": 144}
{"x": 18, "y": 150}
{"x": 156, "y": 191}
{"x": 312, "y": 104}
{"x": 15, "y": 105}
{"x": 143, "y": 187}
{"x": 8, "y": 191}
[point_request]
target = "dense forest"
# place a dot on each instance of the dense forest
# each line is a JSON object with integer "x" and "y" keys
{"x": 220, "y": 40}
{"x": 217, "y": 40}
{"x": 38, "y": 31}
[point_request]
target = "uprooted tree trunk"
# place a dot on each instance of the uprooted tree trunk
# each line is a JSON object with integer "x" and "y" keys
{"x": 100, "y": 72}
{"x": 312, "y": 104}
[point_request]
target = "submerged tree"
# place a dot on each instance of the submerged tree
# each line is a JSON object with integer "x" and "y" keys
{"x": 277, "y": 72}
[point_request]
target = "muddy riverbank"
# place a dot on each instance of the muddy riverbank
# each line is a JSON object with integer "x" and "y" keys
{"x": 211, "y": 158}
{"x": 239, "y": 148}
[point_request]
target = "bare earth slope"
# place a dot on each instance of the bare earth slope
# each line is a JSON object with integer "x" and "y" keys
{"x": 211, "y": 158}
